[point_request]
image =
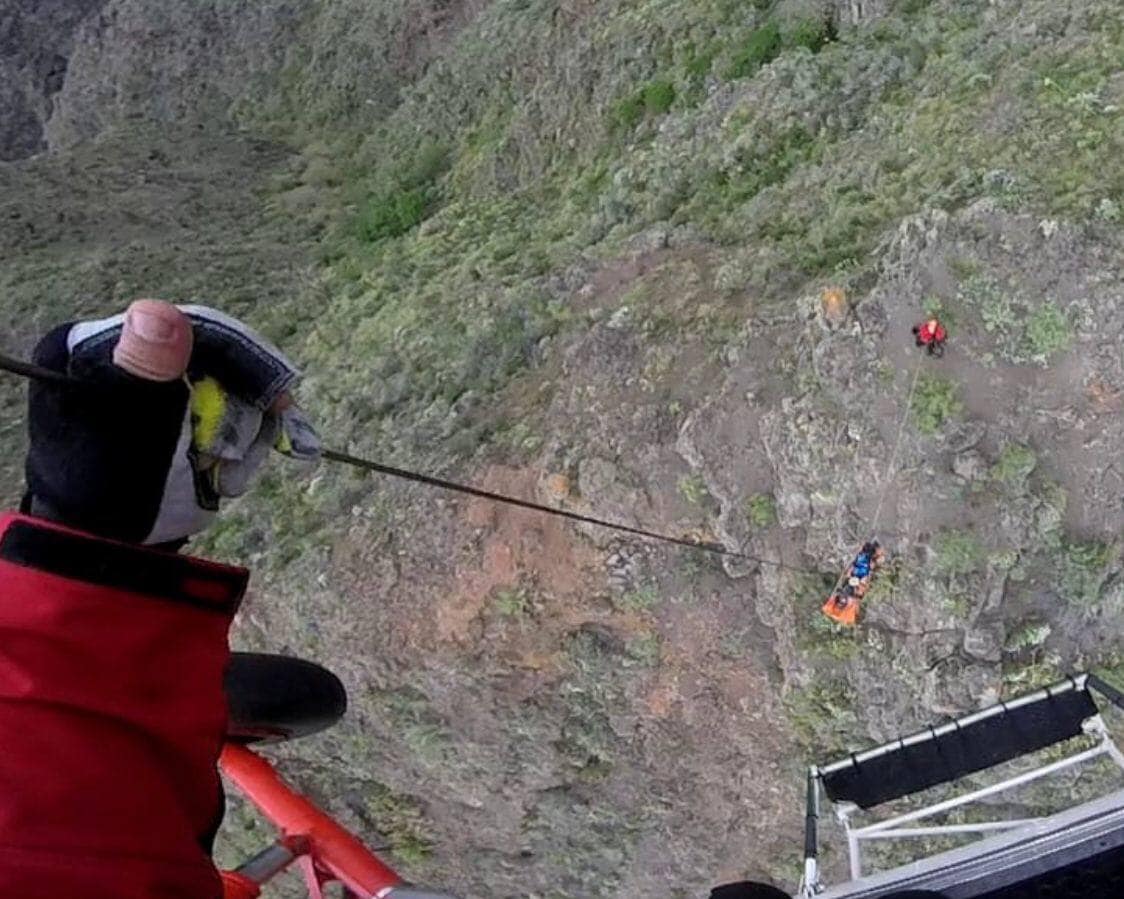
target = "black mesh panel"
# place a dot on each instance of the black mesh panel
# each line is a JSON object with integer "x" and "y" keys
{"x": 970, "y": 748}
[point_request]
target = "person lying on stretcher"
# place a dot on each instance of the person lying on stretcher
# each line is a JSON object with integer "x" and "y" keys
{"x": 843, "y": 605}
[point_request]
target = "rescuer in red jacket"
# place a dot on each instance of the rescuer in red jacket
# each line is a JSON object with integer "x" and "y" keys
{"x": 112, "y": 647}
{"x": 932, "y": 335}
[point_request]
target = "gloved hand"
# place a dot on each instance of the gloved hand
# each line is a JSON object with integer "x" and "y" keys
{"x": 180, "y": 405}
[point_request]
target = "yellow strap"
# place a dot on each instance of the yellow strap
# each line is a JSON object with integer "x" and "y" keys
{"x": 208, "y": 408}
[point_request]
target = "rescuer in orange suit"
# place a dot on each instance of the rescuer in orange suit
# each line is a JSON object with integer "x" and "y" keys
{"x": 113, "y": 646}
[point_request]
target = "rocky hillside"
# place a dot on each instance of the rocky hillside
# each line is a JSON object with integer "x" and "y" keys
{"x": 578, "y": 251}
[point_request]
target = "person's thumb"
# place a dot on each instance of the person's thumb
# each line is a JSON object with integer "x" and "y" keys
{"x": 155, "y": 341}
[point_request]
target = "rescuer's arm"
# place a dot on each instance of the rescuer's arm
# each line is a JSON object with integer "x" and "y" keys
{"x": 111, "y": 652}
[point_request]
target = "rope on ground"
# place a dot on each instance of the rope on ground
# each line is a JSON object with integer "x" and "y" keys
{"x": 890, "y": 476}
{"x": 891, "y": 472}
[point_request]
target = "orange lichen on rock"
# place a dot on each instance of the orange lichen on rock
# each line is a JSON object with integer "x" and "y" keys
{"x": 834, "y": 306}
{"x": 557, "y": 487}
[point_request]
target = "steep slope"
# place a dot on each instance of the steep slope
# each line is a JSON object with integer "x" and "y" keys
{"x": 36, "y": 40}
{"x": 517, "y": 239}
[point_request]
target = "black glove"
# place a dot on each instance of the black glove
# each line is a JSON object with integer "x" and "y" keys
{"x": 142, "y": 452}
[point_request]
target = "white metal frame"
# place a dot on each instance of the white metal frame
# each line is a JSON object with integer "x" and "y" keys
{"x": 892, "y": 829}
{"x": 905, "y": 826}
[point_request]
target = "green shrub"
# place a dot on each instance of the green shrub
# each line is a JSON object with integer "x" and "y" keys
{"x": 1083, "y": 570}
{"x": 429, "y": 163}
{"x": 997, "y": 310}
{"x": 653, "y": 99}
{"x": 1024, "y": 334}
{"x": 1108, "y": 210}
{"x": 886, "y": 585}
{"x": 1049, "y": 514}
{"x": 1045, "y": 669}
{"x": 628, "y": 112}
{"x": 644, "y": 650}
{"x": 1015, "y": 462}
{"x": 811, "y": 34}
{"x": 812, "y": 587}
{"x": 761, "y": 510}
{"x": 823, "y": 716}
{"x": 699, "y": 62}
{"x": 405, "y": 196}
{"x": 589, "y": 695}
{"x": 637, "y": 600}
{"x": 693, "y": 488}
{"x": 391, "y": 215}
{"x": 934, "y": 402}
{"x": 763, "y": 46}
{"x": 402, "y": 820}
{"x": 822, "y": 637}
{"x": 761, "y": 169}
{"x": 1003, "y": 560}
{"x": 957, "y": 553}
{"x": 658, "y": 97}
{"x": 1047, "y": 332}
{"x": 1029, "y": 636}
{"x": 514, "y": 603}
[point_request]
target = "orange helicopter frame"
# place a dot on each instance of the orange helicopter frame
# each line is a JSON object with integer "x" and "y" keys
{"x": 323, "y": 850}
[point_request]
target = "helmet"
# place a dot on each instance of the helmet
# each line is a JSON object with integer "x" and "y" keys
{"x": 853, "y": 582}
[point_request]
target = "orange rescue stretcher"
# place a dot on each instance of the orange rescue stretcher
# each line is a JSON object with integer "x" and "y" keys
{"x": 842, "y": 606}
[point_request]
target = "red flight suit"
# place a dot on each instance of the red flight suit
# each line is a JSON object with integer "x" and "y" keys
{"x": 112, "y": 715}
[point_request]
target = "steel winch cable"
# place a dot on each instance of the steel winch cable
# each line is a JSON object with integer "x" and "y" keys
{"x": 39, "y": 373}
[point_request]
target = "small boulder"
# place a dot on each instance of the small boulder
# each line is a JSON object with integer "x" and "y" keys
{"x": 985, "y": 642}
{"x": 794, "y": 509}
{"x": 969, "y": 465}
